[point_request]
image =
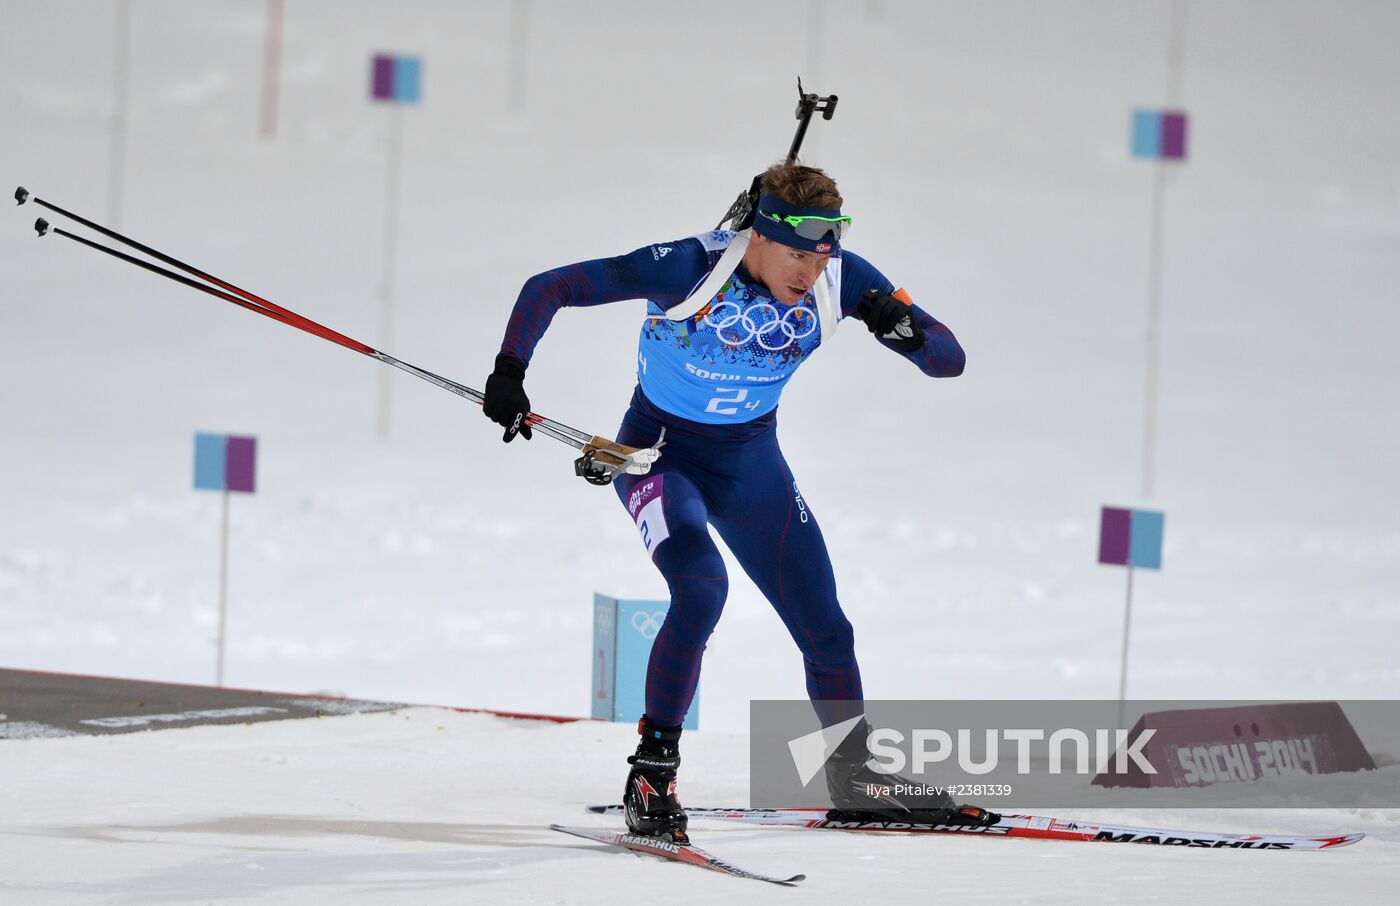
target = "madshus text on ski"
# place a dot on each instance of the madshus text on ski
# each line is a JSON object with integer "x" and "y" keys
{"x": 1029, "y": 827}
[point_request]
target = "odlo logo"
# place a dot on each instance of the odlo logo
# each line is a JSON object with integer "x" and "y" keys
{"x": 801, "y": 506}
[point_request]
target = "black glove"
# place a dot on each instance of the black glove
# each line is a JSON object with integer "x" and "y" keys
{"x": 891, "y": 319}
{"x": 506, "y": 403}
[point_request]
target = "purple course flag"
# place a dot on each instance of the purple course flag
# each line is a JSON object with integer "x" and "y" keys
{"x": 1115, "y": 535}
{"x": 1173, "y": 135}
{"x": 242, "y": 463}
{"x": 382, "y": 78}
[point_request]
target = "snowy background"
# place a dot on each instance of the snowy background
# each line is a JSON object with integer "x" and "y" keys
{"x": 988, "y": 170}
{"x": 983, "y": 149}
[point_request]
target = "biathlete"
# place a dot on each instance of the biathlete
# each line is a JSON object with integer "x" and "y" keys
{"x": 730, "y": 318}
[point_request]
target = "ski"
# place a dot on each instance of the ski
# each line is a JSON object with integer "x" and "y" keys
{"x": 1032, "y": 827}
{"x": 685, "y": 853}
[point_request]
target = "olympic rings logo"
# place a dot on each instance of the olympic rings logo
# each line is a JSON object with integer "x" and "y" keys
{"x": 648, "y": 624}
{"x": 761, "y": 322}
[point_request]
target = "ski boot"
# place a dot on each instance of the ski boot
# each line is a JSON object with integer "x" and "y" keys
{"x": 859, "y": 793}
{"x": 649, "y": 800}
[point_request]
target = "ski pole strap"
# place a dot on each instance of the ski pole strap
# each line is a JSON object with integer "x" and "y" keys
{"x": 603, "y": 459}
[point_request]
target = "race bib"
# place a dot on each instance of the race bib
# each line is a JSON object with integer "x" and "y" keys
{"x": 645, "y": 505}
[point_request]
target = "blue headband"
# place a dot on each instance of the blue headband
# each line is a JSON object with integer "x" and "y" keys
{"x": 781, "y": 232}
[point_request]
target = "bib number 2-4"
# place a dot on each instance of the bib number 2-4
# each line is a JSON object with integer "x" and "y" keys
{"x": 731, "y": 401}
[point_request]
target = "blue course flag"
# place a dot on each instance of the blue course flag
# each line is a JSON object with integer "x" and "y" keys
{"x": 1147, "y": 133}
{"x": 408, "y": 79}
{"x": 1145, "y": 550}
{"x": 210, "y": 461}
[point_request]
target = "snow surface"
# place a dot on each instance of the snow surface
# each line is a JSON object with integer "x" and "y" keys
{"x": 982, "y": 148}
{"x": 432, "y": 806}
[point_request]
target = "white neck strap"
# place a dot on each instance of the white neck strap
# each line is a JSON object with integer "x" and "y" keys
{"x": 724, "y": 269}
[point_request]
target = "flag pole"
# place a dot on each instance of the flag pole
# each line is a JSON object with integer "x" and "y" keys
{"x": 386, "y": 289}
{"x": 1154, "y": 329}
{"x": 1176, "y": 65}
{"x": 223, "y": 592}
{"x": 121, "y": 71}
{"x": 1123, "y": 665}
{"x": 272, "y": 65}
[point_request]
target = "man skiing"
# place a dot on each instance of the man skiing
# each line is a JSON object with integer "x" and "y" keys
{"x": 730, "y": 318}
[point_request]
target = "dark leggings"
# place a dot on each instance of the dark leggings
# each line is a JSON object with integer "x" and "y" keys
{"x": 743, "y": 487}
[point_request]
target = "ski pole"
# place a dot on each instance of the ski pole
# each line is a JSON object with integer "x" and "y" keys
{"x": 602, "y": 458}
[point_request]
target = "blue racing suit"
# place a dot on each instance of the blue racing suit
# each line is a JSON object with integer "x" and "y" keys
{"x": 713, "y": 381}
